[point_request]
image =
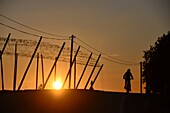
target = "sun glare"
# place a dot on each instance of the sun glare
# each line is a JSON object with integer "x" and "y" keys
{"x": 57, "y": 85}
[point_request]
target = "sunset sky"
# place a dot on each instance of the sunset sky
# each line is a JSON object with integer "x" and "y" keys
{"x": 122, "y": 29}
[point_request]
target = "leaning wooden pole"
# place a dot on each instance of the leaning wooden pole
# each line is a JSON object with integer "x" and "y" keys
{"x": 53, "y": 65}
{"x": 92, "y": 72}
{"x": 91, "y": 87}
{"x": 71, "y": 66}
{"x": 1, "y": 53}
{"x": 29, "y": 64}
{"x": 98, "y": 74}
{"x": 84, "y": 70}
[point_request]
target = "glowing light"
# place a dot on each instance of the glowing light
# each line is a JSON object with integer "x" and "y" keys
{"x": 57, "y": 85}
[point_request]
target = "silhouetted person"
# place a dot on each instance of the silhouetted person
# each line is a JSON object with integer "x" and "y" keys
{"x": 128, "y": 76}
{"x": 91, "y": 87}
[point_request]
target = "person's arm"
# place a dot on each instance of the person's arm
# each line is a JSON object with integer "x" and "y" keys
{"x": 124, "y": 76}
{"x": 131, "y": 76}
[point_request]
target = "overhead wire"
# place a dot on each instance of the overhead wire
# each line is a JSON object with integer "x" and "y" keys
{"x": 31, "y": 27}
{"x": 32, "y": 33}
{"x": 118, "y": 61}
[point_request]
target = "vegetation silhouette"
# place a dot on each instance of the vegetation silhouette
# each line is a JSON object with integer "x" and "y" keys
{"x": 155, "y": 67}
{"x": 128, "y": 77}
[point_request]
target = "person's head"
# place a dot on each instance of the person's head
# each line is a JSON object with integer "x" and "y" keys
{"x": 128, "y": 70}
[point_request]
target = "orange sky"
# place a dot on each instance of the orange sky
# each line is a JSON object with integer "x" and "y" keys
{"x": 122, "y": 29}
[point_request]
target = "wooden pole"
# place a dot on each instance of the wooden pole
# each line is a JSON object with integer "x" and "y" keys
{"x": 1, "y": 53}
{"x": 84, "y": 70}
{"x": 29, "y": 64}
{"x": 53, "y": 65}
{"x": 91, "y": 87}
{"x": 2, "y": 73}
{"x": 92, "y": 72}
{"x": 75, "y": 74}
{"x": 98, "y": 74}
{"x": 42, "y": 65}
{"x": 37, "y": 71}
{"x": 71, "y": 54}
{"x": 55, "y": 72}
{"x": 15, "y": 68}
{"x": 5, "y": 44}
{"x": 71, "y": 67}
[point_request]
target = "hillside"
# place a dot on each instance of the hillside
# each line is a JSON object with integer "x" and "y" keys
{"x": 81, "y": 101}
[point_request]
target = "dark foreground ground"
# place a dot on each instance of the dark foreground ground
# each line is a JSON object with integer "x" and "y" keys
{"x": 81, "y": 101}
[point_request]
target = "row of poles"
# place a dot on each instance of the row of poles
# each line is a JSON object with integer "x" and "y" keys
{"x": 44, "y": 83}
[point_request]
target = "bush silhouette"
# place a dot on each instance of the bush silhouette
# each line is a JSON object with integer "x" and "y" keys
{"x": 156, "y": 65}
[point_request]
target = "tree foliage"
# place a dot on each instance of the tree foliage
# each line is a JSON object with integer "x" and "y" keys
{"x": 156, "y": 65}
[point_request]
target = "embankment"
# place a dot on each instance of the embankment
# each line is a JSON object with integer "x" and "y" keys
{"x": 81, "y": 101}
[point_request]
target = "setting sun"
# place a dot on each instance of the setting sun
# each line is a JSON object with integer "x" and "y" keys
{"x": 57, "y": 85}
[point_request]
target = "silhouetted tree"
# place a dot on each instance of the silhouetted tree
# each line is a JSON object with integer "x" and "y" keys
{"x": 156, "y": 66}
